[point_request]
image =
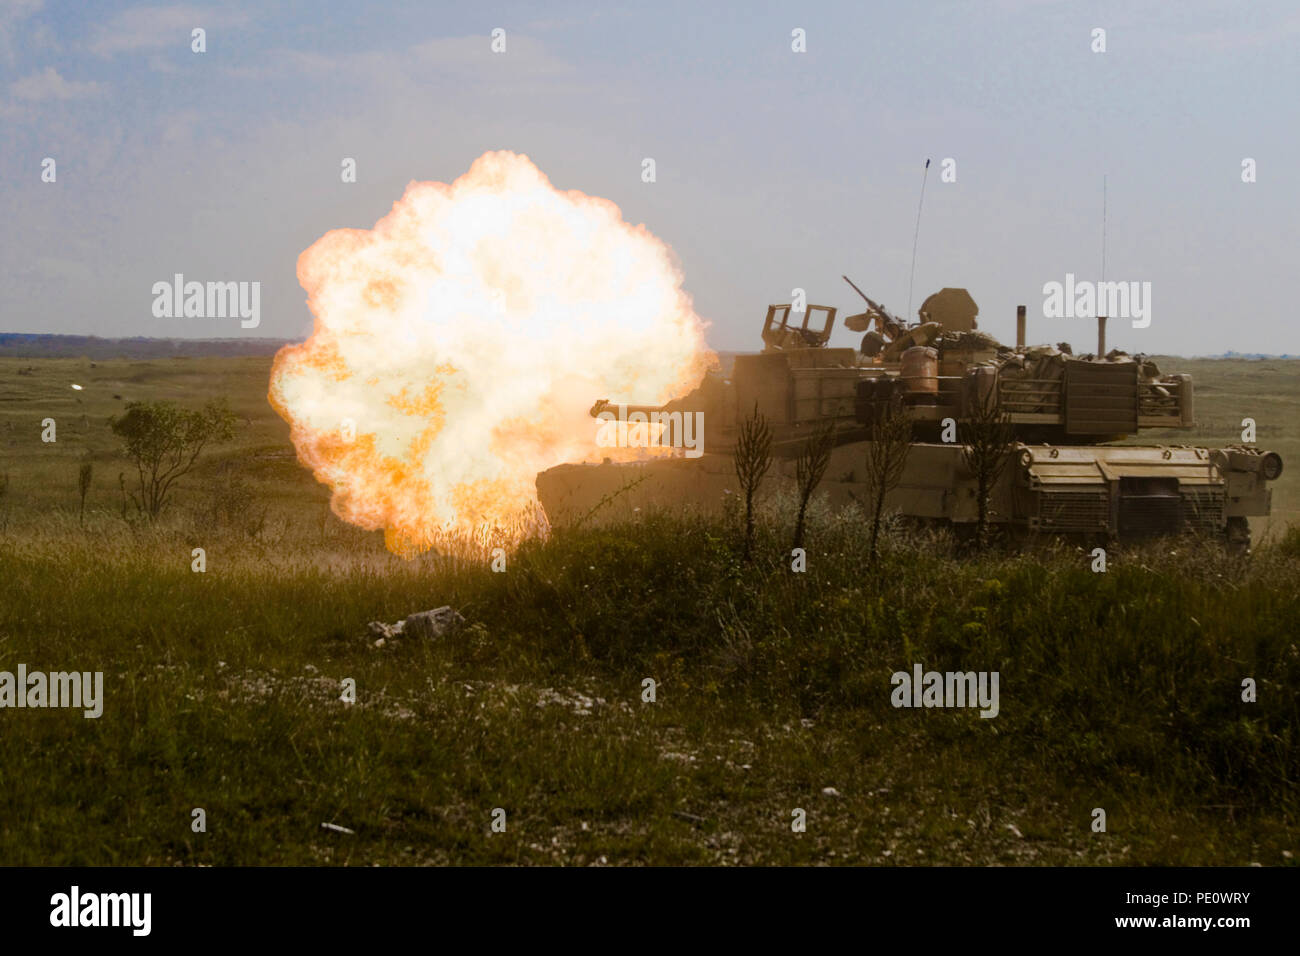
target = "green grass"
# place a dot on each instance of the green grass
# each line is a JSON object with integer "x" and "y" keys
{"x": 1119, "y": 690}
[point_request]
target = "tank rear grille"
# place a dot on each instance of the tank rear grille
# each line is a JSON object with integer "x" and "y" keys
{"x": 1074, "y": 511}
{"x": 1203, "y": 508}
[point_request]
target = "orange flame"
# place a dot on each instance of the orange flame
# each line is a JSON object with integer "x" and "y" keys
{"x": 459, "y": 344}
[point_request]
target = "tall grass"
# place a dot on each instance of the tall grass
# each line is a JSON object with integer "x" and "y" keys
{"x": 1120, "y": 689}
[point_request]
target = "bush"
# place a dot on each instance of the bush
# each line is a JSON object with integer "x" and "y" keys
{"x": 164, "y": 442}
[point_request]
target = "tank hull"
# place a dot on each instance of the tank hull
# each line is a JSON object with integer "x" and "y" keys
{"x": 1113, "y": 491}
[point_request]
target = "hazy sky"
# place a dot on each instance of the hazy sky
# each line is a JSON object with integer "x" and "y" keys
{"x": 775, "y": 169}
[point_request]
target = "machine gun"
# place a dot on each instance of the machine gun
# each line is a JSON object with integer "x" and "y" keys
{"x": 887, "y": 324}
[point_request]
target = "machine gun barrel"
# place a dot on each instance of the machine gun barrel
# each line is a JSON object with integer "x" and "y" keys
{"x": 888, "y": 323}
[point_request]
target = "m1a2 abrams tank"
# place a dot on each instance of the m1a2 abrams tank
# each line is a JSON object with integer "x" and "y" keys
{"x": 1067, "y": 474}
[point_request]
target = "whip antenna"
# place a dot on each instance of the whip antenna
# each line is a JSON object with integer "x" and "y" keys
{"x": 916, "y": 236}
{"x": 1103, "y": 228}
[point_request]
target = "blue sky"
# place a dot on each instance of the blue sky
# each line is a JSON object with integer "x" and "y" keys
{"x": 774, "y": 169}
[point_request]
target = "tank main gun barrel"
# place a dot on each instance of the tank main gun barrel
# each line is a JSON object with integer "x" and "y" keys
{"x": 614, "y": 408}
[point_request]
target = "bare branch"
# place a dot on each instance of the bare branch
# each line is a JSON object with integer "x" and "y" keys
{"x": 752, "y": 458}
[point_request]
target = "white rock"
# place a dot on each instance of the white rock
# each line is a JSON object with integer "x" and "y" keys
{"x": 382, "y": 631}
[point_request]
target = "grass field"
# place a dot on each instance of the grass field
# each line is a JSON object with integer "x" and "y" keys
{"x": 1229, "y": 390}
{"x": 1119, "y": 691}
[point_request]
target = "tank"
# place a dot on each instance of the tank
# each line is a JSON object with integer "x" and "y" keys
{"x": 1073, "y": 469}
